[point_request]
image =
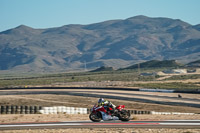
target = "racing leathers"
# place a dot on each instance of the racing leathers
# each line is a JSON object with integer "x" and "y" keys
{"x": 107, "y": 105}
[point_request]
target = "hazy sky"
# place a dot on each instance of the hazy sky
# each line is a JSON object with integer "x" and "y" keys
{"x": 56, "y": 13}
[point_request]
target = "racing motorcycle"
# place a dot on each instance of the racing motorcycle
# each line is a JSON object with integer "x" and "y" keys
{"x": 99, "y": 113}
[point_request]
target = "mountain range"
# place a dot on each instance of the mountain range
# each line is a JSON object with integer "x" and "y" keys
{"x": 113, "y": 43}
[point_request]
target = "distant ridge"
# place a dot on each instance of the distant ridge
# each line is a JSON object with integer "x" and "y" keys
{"x": 194, "y": 64}
{"x": 114, "y": 43}
{"x": 103, "y": 68}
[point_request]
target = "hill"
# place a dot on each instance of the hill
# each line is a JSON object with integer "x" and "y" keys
{"x": 194, "y": 64}
{"x": 103, "y": 68}
{"x": 114, "y": 43}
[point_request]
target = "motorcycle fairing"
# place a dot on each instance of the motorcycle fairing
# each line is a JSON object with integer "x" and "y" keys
{"x": 107, "y": 117}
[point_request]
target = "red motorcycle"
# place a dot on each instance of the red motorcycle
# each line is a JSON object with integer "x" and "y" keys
{"x": 99, "y": 113}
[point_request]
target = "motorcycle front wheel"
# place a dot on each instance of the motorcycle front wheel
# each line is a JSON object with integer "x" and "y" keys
{"x": 95, "y": 117}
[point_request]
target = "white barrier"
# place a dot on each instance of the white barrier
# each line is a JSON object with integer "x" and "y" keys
{"x": 73, "y": 110}
{"x": 157, "y": 90}
{"x": 63, "y": 109}
{"x": 170, "y": 113}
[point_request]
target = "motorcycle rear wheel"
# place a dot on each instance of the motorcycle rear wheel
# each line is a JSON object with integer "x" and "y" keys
{"x": 124, "y": 115}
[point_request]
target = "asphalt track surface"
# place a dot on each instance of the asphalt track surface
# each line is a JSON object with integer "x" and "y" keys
{"x": 186, "y": 124}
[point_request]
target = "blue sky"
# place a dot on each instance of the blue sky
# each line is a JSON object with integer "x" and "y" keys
{"x": 56, "y": 13}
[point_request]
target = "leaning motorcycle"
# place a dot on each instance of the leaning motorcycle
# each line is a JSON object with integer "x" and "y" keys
{"x": 99, "y": 113}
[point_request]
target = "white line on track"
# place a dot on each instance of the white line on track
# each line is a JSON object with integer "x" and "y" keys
{"x": 181, "y": 120}
{"x": 183, "y": 124}
{"x": 77, "y": 124}
{"x": 78, "y": 121}
{"x": 35, "y": 125}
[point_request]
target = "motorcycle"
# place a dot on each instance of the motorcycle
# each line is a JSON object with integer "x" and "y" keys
{"x": 99, "y": 113}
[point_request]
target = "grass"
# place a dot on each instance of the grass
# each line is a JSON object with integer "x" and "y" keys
{"x": 73, "y": 77}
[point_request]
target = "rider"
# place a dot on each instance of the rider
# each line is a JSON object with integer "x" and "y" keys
{"x": 106, "y": 104}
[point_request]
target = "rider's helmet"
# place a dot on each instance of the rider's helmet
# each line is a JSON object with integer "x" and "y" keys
{"x": 101, "y": 101}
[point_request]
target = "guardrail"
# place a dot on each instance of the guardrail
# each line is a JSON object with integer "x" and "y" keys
{"x": 11, "y": 109}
